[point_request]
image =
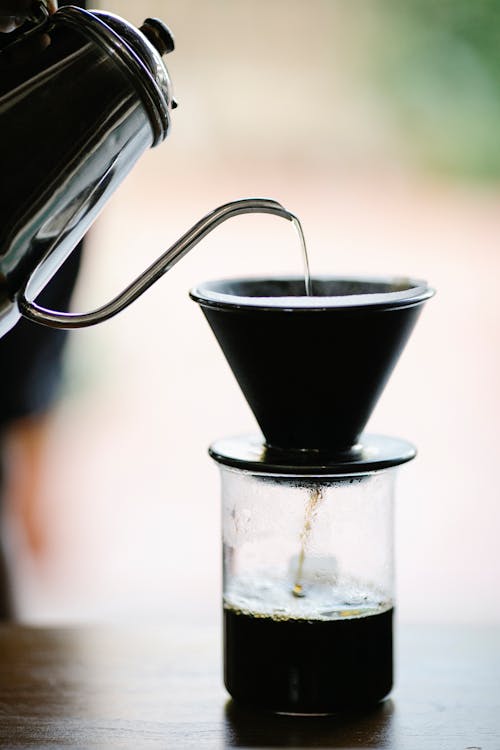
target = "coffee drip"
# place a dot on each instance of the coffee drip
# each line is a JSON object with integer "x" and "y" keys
{"x": 315, "y": 497}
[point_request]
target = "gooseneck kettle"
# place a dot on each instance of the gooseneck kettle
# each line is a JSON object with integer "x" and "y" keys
{"x": 82, "y": 95}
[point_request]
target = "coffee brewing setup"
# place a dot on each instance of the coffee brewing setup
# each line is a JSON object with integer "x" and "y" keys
{"x": 308, "y": 589}
{"x": 307, "y": 508}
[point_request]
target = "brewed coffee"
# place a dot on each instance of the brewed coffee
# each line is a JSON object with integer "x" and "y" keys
{"x": 329, "y": 648}
{"x": 307, "y": 666}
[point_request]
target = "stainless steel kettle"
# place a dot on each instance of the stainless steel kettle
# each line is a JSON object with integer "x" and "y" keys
{"x": 82, "y": 95}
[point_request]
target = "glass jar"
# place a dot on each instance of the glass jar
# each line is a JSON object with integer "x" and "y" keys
{"x": 308, "y": 575}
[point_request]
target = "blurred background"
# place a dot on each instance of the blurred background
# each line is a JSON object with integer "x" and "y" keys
{"x": 378, "y": 125}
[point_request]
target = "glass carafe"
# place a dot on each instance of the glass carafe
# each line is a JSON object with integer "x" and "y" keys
{"x": 308, "y": 583}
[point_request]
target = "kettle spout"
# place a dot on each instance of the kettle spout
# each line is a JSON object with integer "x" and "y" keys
{"x": 164, "y": 263}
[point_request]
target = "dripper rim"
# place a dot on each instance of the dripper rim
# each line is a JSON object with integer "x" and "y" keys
{"x": 415, "y": 292}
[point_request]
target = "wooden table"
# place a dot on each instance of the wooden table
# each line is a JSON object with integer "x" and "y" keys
{"x": 161, "y": 688}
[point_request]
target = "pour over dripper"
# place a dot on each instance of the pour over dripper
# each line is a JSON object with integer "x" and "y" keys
{"x": 312, "y": 368}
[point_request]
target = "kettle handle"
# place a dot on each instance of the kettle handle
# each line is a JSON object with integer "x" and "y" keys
{"x": 53, "y": 319}
{"x": 31, "y": 25}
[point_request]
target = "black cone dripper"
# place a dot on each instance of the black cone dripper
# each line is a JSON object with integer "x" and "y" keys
{"x": 312, "y": 368}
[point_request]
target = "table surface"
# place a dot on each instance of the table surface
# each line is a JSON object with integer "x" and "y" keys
{"x": 161, "y": 687}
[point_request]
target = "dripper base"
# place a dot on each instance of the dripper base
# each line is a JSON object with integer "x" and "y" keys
{"x": 371, "y": 453}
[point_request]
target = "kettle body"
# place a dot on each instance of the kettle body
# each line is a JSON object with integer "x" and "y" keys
{"x": 82, "y": 95}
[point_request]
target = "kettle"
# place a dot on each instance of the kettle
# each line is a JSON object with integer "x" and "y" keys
{"x": 82, "y": 95}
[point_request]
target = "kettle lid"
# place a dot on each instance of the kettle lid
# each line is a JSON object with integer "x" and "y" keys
{"x": 139, "y": 51}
